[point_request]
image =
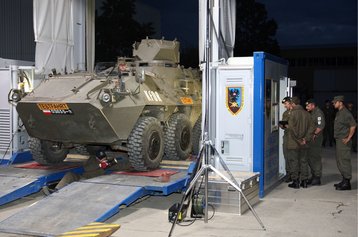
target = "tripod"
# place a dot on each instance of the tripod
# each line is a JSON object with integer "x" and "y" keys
{"x": 207, "y": 150}
{"x": 205, "y": 167}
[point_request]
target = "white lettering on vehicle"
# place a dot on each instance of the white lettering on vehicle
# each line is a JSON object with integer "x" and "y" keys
{"x": 153, "y": 96}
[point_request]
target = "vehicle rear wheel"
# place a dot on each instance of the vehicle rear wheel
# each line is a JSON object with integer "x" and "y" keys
{"x": 47, "y": 152}
{"x": 178, "y": 137}
{"x": 197, "y": 136}
{"x": 146, "y": 144}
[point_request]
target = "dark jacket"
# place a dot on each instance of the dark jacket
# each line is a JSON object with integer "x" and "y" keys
{"x": 343, "y": 122}
{"x": 329, "y": 115}
{"x": 318, "y": 119}
{"x": 300, "y": 126}
{"x": 285, "y": 117}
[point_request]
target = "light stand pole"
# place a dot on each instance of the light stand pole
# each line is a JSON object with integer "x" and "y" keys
{"x": 204, "y": 169}
{"x": 208, "y": 150}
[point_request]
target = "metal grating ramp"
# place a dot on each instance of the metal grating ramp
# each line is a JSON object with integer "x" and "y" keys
{"x": 86, "y": 201}
{"x": 68, "y": 209}
{"x": 13, "y": 188}
{"x": 16, "y": 183}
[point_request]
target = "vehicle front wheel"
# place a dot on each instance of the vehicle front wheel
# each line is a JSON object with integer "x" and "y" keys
{"x": 47, "y": 152}
{"x": 145, "y": 144}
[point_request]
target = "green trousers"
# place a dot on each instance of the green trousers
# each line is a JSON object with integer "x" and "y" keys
{"x": 91, "y": 170}
{"x": 298, "y": 163}
{"x": 343, "y": 156}
{"x": 67, "y": 179}
{"x": 287, "y": 162}
{"x": 314, "y": 156}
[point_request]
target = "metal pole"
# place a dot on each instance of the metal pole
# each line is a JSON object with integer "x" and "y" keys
{"x": 207, "y": 153}
{"x": 208, "y": 148}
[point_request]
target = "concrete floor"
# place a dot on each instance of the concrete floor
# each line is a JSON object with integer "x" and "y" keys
{"x": 316, "y": 211}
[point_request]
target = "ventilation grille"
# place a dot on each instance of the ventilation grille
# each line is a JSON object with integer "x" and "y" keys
{"x": 234, "y": 80}
{"x": 5, "y": 129}
{"x": 234, "y": 159}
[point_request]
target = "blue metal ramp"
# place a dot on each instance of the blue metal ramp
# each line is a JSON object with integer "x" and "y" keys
{"x": 17, "y": 158}
{"x": 16, "y": 183}
{"x": 83, "y": 202}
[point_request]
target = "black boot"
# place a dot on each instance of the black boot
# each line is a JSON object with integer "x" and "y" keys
{"x": 339, "y": 184}
{"x": 47, "y": 191}
{"x": 304, "y": 183}
{"x": 287, "y": 178}
{"x": 315, "y": 180}
{"x": 346, "y": 185}
{"x": 295, "y": 184}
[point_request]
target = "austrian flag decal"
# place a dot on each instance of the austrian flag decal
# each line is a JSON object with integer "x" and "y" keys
{"x": 47, "y": 112}
{"x": 234, "y": 99}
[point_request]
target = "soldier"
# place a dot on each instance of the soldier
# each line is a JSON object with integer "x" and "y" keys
{"x": 344, "y": 127}
{"x": 283, "y": 125}
{"x": 300, "y": 129}
{"x": 95, "y": 165}
{"x": 315, "y": 146}
{"x": 329, "y": 115}
{"x": 350, "y": 107}
{"x": 91, "y": 170}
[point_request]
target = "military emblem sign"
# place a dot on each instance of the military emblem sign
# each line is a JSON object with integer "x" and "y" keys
{"x": 234, "y": 99}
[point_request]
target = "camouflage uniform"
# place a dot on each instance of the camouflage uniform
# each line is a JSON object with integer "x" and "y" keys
{"x": 315, "y": 146}
{"x": 91, "y": 170}
{"x": 285, "y": 117}
{"x": 354, "y": 138}
{"x": 300, "y": 127}
{"x": 342, "y": 123}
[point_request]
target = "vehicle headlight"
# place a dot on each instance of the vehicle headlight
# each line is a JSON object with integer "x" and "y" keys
{"x": 106, "y": 97}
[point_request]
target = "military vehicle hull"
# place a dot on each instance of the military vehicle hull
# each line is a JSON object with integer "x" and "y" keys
{"x": 146, "y": 105}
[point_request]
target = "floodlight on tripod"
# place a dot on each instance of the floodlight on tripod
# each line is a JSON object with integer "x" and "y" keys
{"x": 207, "y": 150}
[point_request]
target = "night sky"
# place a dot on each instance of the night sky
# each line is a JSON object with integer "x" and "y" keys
{"x": 179, "y": 19}
{"x": 303, "y": 22}
{"x": 307, "y": 22}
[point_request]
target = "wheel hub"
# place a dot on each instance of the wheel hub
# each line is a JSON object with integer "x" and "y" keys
{"x": 55, "y": 147}
{"x": 185, "y": 138}
{"x": 154, "y": 145}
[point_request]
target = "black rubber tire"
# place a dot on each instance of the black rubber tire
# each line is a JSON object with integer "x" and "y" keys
{"x": 178, "y": 137}
{"x": 45, "y": 153}
{"x": 197, "y": 136}
{"x": 146, "y": 144}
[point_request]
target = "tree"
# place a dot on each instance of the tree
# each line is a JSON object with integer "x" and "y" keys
{"x": 254, "y": 32}
{"x": 116, "y": 30}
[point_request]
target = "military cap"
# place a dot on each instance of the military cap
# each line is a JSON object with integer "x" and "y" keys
{"x": 310, "y": 101}
{"x": 295, "y": 100}
{"x": 338, "y": 98}
{"x": 286, "y": 99}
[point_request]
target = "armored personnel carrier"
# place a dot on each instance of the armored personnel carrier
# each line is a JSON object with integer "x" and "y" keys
{"x": 146, "y": 105}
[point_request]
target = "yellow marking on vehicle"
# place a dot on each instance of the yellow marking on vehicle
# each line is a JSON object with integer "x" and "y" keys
{"x": 52, "y": 106}
{"x": 95, "y": 229}
{"x": 186, "y": 100}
